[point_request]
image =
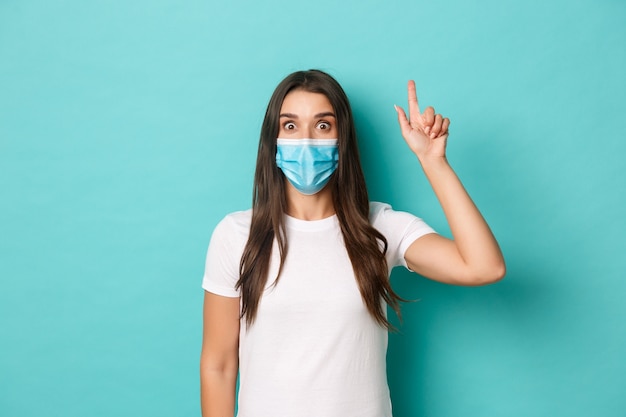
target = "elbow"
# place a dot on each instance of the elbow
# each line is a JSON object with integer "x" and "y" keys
{"x": 225, "y": 368}
{"x": 498, "y": 272}
{"x": 490, "y": 275}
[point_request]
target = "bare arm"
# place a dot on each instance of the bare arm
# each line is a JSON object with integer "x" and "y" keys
{"x": 219, "y": 360}
{"x": 473, "y": 257}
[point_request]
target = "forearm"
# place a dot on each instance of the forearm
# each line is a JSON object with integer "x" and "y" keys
{"x": 474, "y": 240}
{"x": 217, "y": 390}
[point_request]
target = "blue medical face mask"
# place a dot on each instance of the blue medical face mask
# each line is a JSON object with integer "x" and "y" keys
{"x": 307, "y": 163}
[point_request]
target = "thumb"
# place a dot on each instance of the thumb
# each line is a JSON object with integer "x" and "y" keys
{"x": 405, "y": 126}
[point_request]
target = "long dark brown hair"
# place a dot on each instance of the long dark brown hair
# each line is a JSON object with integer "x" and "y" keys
{"x": 366, "y": 246}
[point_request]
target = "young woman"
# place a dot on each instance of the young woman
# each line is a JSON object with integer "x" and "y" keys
{"x": 296, "y": 288}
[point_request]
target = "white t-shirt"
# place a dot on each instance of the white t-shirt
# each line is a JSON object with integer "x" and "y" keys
{"x": 314, "y": 349}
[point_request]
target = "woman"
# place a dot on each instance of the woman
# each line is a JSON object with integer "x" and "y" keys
{"x": 296, "y": 288}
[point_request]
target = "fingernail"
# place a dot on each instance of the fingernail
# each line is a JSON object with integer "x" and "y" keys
{"x": 427, "y": 130}
{"x": 432, "y": 135}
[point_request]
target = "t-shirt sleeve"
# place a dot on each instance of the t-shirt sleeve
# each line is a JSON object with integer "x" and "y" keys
{"x": 221, "y": 271}
{"x": 400, "y": 229}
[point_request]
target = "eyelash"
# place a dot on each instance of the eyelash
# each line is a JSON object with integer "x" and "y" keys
{"x": 287, "y": 125}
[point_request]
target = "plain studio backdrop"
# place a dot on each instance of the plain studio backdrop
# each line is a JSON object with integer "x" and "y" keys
{"x": 128, "y": 129}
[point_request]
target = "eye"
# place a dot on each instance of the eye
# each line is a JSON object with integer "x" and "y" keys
{"x": 289, "y": 126}
{"x": 323, "y": 125}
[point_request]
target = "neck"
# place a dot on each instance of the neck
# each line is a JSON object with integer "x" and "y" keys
{"x": 309, "y": 207}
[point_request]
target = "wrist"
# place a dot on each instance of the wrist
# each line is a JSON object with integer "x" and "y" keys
{"x": 432, "y": 162}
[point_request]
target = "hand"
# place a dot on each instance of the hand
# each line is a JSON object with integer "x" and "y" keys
{"x": 425, "y": 133}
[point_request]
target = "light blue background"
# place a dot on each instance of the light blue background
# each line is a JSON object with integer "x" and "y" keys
{"x": 129, "y": 129}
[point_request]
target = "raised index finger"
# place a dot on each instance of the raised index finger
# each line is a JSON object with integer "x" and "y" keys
{"x": 415, "y": 116}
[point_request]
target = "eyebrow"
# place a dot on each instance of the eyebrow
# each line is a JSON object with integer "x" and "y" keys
{"x": 317, "y": 116}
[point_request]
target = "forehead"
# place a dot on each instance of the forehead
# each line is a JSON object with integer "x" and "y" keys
{"x": 305, "y": 102}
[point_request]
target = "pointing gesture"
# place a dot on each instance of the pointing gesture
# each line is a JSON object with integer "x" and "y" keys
{"x": 425, "y": 133}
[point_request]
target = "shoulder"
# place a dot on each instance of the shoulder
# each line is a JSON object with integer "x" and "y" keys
{"x": 234, "y": 226}
{"x": 381, "y": 213}
{"x": 238, "y": 219}
{"x": 400, "y": 229}
{"x": 377, "y": 209}
{"x": 384, "y": 218}
{"x": 224, "y": 253}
